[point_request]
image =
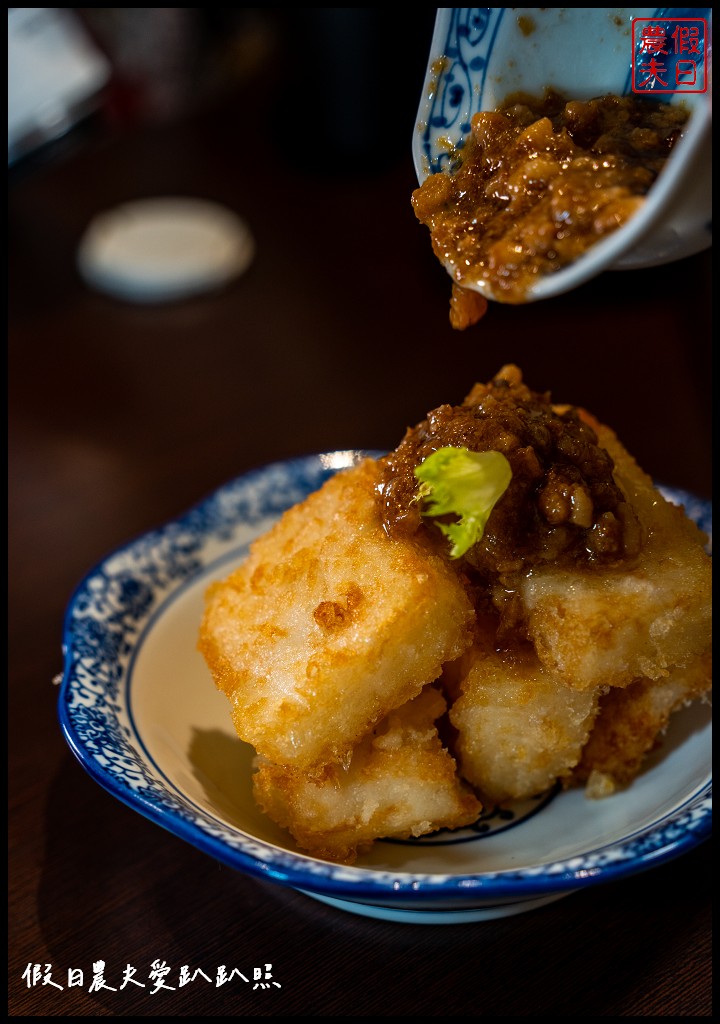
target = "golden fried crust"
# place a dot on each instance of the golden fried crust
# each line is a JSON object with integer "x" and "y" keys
{"x": 400, "y": 782}
{"x": 610, "y": 626}
{"x": 329, "y": 625}
{"x": 518, "y": 727}
{"x": 632, "y": 721}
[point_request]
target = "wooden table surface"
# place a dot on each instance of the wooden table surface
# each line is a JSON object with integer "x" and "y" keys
{"x": 123, "y": 416}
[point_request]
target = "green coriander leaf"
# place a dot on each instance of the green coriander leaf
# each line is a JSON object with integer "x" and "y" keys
{"x": 465, "y": 484}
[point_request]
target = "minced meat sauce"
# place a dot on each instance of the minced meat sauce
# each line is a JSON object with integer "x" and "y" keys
{"x": 537, "y": 183}
{"x": 562, "y": 503}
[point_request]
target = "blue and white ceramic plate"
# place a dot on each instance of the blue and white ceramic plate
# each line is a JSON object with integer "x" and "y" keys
{"x": 140, "y": 711}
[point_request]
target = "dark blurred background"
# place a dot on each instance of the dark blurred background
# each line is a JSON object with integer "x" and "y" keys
{"x": 334, "y": 89}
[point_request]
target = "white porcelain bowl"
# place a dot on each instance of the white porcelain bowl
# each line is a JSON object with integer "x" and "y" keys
{"x": 479, "y": 56}
{"x": 140, "y": 711}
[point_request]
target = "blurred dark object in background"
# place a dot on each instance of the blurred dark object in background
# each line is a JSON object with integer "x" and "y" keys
{"x": 56, "y": 77}
{"x": 334, "y": 88}
{"x": 170, "y": 61}
{"x": 351, "y": 77}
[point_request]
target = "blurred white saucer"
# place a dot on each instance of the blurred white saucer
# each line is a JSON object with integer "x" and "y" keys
{"x": 164, "y": 249}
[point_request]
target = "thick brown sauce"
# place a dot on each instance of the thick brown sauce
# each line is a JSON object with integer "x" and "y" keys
{"x": 562, "y": 504}
{"x": 539, "y": 182}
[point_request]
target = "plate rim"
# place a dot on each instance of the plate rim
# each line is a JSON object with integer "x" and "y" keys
{"x": 682, "y": 829}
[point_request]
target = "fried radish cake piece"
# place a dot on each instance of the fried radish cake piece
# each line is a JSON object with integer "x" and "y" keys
{"x": 330, "y": 624}
{"x": 612, "y": 625}
{"x": 519, "y": 729}
{"x": 581, "y": 554}
{"x": 400, "y": 782}
{"x": 631, "y": 722}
